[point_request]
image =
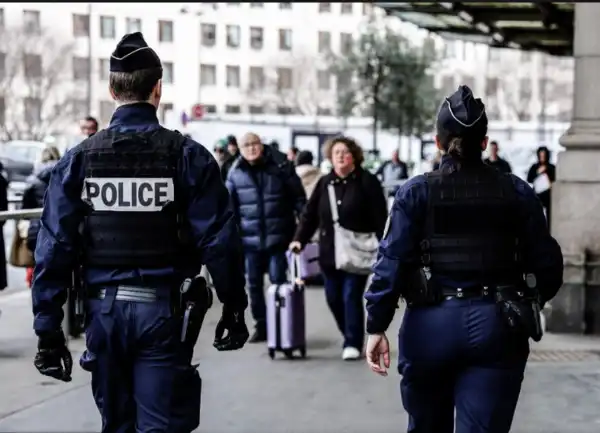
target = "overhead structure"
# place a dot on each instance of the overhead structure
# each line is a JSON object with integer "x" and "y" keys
{"x": 535, "y": 26}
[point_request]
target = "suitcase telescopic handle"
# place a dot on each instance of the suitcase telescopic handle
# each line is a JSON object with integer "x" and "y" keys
{"x": 295, "y": 271}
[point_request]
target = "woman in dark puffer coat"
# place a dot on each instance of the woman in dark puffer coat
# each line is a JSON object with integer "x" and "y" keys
{"x": 33, "y": 196}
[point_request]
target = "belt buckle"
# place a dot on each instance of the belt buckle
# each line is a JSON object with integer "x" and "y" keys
{"x": 486, "y": 291}
{"x": 459, "y": 293}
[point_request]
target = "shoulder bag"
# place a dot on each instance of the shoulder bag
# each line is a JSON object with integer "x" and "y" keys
{"x": 354, "y": 252}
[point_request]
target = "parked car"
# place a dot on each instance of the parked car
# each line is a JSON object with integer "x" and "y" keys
{"x": 20, "y": 158}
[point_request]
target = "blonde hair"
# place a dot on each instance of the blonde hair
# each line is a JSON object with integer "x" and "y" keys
{"x": 50, "y": 153}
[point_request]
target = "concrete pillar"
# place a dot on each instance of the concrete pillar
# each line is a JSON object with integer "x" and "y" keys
{"x": 576, "y": 193}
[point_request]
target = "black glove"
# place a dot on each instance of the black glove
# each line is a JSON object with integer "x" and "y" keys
{"x": 237, "y": 332}
{"x": 53, "y": 358}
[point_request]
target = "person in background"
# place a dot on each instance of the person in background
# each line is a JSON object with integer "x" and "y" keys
{"x": 267, "y": 197}
{"x": 496, "y": 161}
{"x": 231, "y": 145}
{"x": 88, "y": 126}
{"x": 292, "y": 154}
{"x": 543, "y": 167}
{"x": 362, "y": 208}
{"x": 309, "y": 174}
{"x": 33, "y": 197}
{"x": 3, "y": 207}
{"x": 392, "y": 171}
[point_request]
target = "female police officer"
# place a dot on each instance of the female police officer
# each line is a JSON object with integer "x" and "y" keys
{"x": 469, "y": 251}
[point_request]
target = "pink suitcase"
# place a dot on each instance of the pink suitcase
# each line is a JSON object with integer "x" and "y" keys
{"x": 286, "y": 325}
{"x": 308, "y": 261}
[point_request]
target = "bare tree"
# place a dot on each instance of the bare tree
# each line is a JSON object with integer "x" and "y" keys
{"x": 38, "y": 90}
{"x": 513, "y": 93}
{"x": 295, "y": 83}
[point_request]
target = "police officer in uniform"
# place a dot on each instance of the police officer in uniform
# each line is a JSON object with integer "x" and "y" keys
{"x": 468, "y": 250}
{"x": 153, "y": 209}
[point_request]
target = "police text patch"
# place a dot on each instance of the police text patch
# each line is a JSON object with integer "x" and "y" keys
{"x": 127, "y": 194}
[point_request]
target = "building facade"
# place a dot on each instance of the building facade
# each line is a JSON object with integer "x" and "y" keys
{"x": 247, "y": 58}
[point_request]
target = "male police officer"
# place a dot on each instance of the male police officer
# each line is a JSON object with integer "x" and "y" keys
{"x": 480, "y": 236}
{"x": 153, "y": 209}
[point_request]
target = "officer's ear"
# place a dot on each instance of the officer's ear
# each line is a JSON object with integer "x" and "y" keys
{"x": 484, "y": 143}
{"x": 158, "y": 91}
{"x": 112, "y": 93}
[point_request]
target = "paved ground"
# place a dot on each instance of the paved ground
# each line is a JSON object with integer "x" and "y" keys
{"x": 247, "y": 392}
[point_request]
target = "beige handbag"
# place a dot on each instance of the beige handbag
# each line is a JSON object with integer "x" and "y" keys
{"x": 20, "y": 256}
{"x": 354, "y": 252}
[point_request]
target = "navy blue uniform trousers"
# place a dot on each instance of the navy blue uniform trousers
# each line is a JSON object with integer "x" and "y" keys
{"x": 142, "y": 379}
{"x": 460, "y": 354}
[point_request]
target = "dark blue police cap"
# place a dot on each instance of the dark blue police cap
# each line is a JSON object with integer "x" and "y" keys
{"x": 461, "y": 111}
{"x": 132, "y": 54}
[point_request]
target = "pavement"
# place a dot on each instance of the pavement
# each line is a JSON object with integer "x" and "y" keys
{"x": 245, "y": 391}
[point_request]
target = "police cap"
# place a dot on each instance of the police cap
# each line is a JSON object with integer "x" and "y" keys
{"x": 461, "y": 111}
{"x": 132, "y": 54}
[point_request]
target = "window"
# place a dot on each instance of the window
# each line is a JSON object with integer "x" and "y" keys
{"x": 257, "y": 77}
{"x": 31, "y": 21}
{"x": 256, "y": 38}
{"x": 165, "y": 31}
{"x": 285, "y": 5}
{"x": 346, "y": 9}
{"x": 284, "y": 78}
{"x": 133, "y": 25}
{"x": 208, "y": 75}
{"x": 32, "y": 65}
{"x": 344, "y": 80}
{"x": 2, "y": 26}
{"x": 233, "y": 36}
{"x": 210, "y": 108}
{"x": 525, "y": 89}
{"x": 81, "y": 68}
{"x": 448, "y": 85}
{"x": 107, "y": 27}
{"x": 491, "y": 87}
{"x": 367, "y": 9}
{"x": 232, "y": 4}
{"x": 81, "y": 25}
{"x": 2, "y": 111}
{"x": 324, "y": 111}
{"x": 233, "y": 76}
{"x": 324, "y": 42}
{"x": 285, "y": 39}
{"x": 78, "y": 105}
{"x": 232, "y": 109}
{"x": 2, "y": 66}
{"x": 33, "y": 110}
{"x": 208, "y": 35}
{"x": 103, "y": 69}
{"x": 167, "y": 73}
{"x": 106, "y": 110}
{"x": 324, "y": 7}
{"x": 256, "y": 109}
{"x": 324, "y": 80}
{"x": 346, "y": 43}
{"x": 163, "y": 110}
{"x": 283, "y": 110}
{"x": 257, "y": 5}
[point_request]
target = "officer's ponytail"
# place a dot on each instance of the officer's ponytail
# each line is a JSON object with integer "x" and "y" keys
{"x": 464, "y": 150}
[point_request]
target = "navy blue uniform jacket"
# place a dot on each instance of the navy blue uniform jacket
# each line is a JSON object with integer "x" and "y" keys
{"x": 215, "y": 232}
{"x": 399, "y": 247}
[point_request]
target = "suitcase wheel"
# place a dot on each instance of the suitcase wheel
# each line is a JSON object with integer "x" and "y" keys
{"x": 303, "y": 352}
{"x": 272, "y": 353}
{"x": 289, "y": 354}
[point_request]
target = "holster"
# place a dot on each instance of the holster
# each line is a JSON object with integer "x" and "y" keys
{"x": 521, "y": 310}
{"x": 196, "y": 298}
{"x": 420, "y": 292}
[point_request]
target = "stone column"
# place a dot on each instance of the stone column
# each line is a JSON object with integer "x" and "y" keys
{"x": 576, "y": 193}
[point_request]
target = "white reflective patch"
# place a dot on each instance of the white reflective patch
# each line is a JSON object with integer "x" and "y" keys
{"x": 387, "y": 226}
{"x": 125, "y": 194}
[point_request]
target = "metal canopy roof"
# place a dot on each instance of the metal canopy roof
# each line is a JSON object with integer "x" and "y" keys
{"x": 541, "y": 26}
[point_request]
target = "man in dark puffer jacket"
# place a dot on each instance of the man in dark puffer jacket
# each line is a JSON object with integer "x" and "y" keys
{"x": 267, "y": 197}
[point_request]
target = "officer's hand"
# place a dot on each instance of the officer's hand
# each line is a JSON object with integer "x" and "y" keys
{"x": 295, "y": 247}
{"x": 234, "y": 324}
{"x": 53, "y": 358}
{"x": 378, "y": 349}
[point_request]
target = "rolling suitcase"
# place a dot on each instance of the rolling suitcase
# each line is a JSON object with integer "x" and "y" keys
{"x": 308, "y": 261}
{"x": 286, "y": 326}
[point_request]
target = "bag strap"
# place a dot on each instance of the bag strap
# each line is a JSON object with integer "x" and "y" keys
{"x": 332, "y": 203}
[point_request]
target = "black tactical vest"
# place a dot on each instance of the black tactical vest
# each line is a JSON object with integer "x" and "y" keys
{"x": 130, "y": 187}
{"x": 472, "y": 227}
